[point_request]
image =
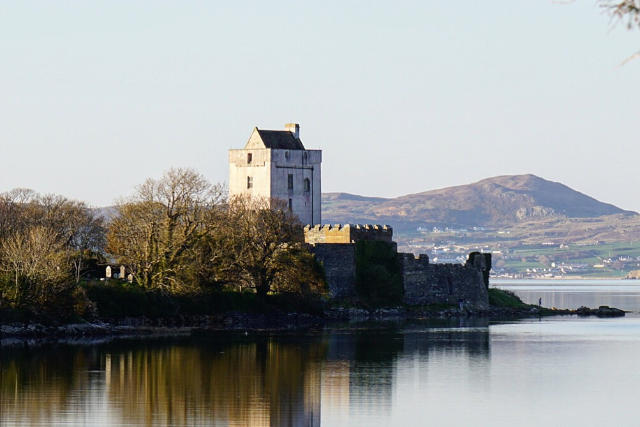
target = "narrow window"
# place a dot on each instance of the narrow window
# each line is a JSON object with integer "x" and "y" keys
{"x": 307, "y": 185}
{"x": 304, "y": 157}
{"x": 249, "y": 158}
{"x": 290, "y": 205}
{"x": 286, "y": 155}
{"x": 249, "y": 182}
{"x": 290, "y": 182}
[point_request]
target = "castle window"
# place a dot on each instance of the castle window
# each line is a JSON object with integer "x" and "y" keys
{"x": 249, "y": 158}
{"x": 304, "y": 157}
{"x": 290, "y": 205}
{"x": 286, "y": 155}
{"x": 249, "y": 182}
{"x": 307, "y": 185}
{"x": 290, "y": 181}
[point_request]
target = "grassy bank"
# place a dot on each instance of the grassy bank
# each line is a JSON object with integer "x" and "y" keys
{"x": 506, "y": 299}
{"x": 503, "y": 299}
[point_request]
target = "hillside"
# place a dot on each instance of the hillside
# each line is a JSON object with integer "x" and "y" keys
{"x": 535, "y": 228}
{"x": 495, "y": 202}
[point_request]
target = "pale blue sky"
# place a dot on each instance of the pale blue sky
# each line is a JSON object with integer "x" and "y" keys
{"x": 402, "y": 97}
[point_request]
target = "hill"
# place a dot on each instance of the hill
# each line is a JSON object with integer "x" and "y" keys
{"x": 495, "y": 202}
{"x": 535, "y": 228}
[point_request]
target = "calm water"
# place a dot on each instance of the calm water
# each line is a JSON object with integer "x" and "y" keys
{"x": 623, "y": 294}
{"x": 555, "y": 371}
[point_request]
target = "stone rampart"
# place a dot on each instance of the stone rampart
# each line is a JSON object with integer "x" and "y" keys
{"x": 347, "y": 233}
{"x": 423, "y": 283}
{"x": 339, "y": 262}
{"x": 426, "y": 283}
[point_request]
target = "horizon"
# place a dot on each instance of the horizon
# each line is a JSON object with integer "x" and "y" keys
{"x": 124, "y": 197}
{"x": 401, "y": 99}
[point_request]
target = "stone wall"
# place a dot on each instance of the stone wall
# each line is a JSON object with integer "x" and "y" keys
{"x": 423, "y": 283}
{"x": 339, "y": 261}
{"x": 426, "y": 283}
{"x": 347, "y": 233}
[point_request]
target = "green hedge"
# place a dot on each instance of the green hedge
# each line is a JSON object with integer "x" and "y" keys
{"x": 116, "y": 299}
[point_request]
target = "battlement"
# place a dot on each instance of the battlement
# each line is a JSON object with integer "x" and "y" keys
{"x": 413, "y": 261}
{"x": 347, "y": 233}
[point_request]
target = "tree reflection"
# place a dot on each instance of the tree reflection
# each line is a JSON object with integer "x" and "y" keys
{"x": 221, "y": 380}
{"x": 248, "y": 383}
{"x": 36, "y": 384}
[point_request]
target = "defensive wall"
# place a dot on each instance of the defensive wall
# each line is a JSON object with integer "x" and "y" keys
{"x": 426, "y": 283}
{"x": 339, "y": 261}
{"x": 334, "y": 246}
{"x": 347, "y": 233}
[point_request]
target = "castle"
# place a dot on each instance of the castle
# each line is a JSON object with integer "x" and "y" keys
{"x": 274, "y": 164}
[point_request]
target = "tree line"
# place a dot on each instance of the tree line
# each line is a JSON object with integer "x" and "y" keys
{"x": 176, "y": 235}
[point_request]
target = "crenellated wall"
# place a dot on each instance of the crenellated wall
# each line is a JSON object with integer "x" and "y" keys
{"x": 426, "y": 283}
{"x": 423, "y": 283}
{"x": 347, "y": 233}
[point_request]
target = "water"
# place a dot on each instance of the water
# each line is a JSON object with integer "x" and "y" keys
{"x": 622, "y": 294}
{"x": 552, "y": 371}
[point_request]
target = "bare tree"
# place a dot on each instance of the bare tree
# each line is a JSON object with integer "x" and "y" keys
{"x": 87, "y": 240}
{"x": 262, "y": 245}
{"x": 42, "y": 238}
{"x": 156, "y": 230}
{"x": 627, "y": 11}
{"x": 37, "y": 262}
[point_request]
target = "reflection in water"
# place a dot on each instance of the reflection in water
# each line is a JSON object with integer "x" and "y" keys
{"x": 224, "y": 380}
{"x": 258, "y": 383}
{"x": 34, "y": 387}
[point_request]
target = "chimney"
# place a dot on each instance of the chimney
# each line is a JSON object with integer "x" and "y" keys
{"x": 294, "y": 128}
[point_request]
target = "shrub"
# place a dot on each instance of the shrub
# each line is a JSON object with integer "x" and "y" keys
{"x": 378, "y": 275}
{"x": 117, "y": 300}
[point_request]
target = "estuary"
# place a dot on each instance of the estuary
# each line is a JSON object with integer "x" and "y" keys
{"x": 550, "y": 371}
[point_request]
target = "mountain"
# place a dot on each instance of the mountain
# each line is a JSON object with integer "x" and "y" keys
{"x": 498, "y": 201}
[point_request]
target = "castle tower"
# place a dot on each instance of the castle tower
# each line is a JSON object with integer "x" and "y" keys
{"x": 275, "y": 165}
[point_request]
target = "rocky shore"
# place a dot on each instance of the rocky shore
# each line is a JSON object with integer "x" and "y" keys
{"x": 237, "y": 321}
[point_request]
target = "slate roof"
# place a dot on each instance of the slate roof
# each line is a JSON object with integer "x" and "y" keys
{"x": 280, "y": 139}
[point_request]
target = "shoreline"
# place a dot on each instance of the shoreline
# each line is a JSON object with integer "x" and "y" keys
{"x": 563, "y": 278}
{"x": 143, "y": 328}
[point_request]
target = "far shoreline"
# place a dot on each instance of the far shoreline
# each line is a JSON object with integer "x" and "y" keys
{"x": 561, "y": 279}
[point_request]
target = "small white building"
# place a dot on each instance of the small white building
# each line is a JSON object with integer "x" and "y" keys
{"x": 275, "y": 165}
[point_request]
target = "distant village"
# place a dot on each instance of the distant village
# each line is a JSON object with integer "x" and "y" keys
{"x": 547, "y": 260}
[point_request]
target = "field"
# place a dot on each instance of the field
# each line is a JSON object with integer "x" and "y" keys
{"x": 601, "y": 247}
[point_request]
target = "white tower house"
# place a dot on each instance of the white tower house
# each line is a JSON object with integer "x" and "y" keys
{"x": 275, "y": 165}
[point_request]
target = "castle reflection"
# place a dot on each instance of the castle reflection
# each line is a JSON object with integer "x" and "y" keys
{"x": 218, "y": 380}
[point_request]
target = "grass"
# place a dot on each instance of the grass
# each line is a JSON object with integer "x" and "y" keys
{"x": 505, "y": 299}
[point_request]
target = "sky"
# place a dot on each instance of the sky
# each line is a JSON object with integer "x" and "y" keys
{"x": 402, "y": 97}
